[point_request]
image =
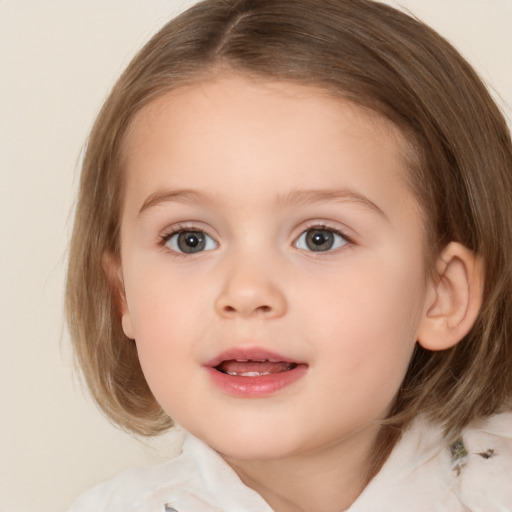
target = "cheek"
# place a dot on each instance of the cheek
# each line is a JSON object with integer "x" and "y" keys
{"x": 159, "y": 299}
{"x": 368, "y": 319}
{"x": 369, "y": 343}
{"x": 162, "y": 335}
{"x": 157, "y": 311}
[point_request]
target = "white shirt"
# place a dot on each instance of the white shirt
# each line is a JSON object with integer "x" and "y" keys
{"x": 422, "y": 474}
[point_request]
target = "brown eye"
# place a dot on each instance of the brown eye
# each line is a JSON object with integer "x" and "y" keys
{"x": 320, "y": 240}
{"x": 191, "y": 242}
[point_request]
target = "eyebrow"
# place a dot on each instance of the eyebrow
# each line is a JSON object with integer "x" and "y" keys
{"x": 175, "y": 195}
{"x": 307, "y": 197}
{"x": 293, "y": 198}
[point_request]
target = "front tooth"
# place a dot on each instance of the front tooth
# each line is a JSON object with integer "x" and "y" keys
{"x": 248, "y": 374}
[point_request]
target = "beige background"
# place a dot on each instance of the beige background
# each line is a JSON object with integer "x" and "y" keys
{"x": 58, "y": 60}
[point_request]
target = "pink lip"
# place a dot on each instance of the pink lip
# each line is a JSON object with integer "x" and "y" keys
{"x": 253, "y": 387}
{"x": 249, "y": 354}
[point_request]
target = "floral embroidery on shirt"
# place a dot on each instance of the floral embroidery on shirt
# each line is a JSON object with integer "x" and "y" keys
{"x": 487, "y": 454}
{"x": 459, "y": 454}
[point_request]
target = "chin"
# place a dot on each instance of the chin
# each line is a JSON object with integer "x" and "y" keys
{"x": 256, "y": 443}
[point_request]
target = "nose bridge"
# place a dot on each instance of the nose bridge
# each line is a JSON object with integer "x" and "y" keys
{"x": 251, "y": 286}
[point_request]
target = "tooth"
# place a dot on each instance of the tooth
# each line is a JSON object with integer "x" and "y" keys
{"x": 253, "y": 374}
{"x": 248, "y": 374}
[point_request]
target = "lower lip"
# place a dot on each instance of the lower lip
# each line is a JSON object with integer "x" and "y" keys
{"x": 256, "y": 387}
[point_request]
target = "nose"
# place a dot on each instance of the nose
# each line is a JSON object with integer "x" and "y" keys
{"x": 251, "y": 289}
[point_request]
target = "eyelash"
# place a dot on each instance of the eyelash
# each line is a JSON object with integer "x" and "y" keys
{"x": 320, "y": 226}
{"x": 324, "y": 227}
{"x": 181, "y": 228}
{"x": 177, "y": 230}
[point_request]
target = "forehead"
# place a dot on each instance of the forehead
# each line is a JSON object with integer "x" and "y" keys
{"x": 268, "y": 133}
{"x": 193, "y": 101}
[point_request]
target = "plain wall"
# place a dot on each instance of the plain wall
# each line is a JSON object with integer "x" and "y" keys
{"x": 58, "y": 60}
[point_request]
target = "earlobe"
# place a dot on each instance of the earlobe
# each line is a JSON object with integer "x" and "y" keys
{"x": 454, "y": 299}
{"x": 114, "y": 272}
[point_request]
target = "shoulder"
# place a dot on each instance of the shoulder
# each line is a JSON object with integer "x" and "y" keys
{"x": 122, "y": 491}
{"x": 484, "y": 468}
{"x": 425, "y": 472}
{"x": 197, "y": 480}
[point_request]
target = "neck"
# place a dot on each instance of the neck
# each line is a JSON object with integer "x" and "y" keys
{"x": 326, "y": 480}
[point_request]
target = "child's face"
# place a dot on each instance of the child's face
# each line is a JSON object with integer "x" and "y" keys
{"x": 304, "y": 245}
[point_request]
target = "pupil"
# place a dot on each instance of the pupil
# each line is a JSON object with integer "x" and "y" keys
{"x": 319, "y": 240}
{"x": 191, "y": 241}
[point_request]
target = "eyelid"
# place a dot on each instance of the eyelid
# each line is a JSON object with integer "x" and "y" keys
{"x": 176, "y": 229}
{"x": 327, "y": 225}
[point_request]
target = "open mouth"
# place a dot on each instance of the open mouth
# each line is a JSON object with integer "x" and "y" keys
{"x": 252, "y": 372}
{"x": 252, "y": 368}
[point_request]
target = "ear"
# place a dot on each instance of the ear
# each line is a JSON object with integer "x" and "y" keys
{"x": 114, "y": 271}
{"x": 454, "y": 298}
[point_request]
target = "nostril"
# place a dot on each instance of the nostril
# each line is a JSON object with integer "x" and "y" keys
{"x": 261, "y": 309}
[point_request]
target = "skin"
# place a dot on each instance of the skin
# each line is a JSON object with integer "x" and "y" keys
{"x": 262, "y": 160}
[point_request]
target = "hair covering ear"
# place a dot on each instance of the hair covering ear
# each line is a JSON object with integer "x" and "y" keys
{"x": 114, "y": 272}
{"x": 456, "y": 297}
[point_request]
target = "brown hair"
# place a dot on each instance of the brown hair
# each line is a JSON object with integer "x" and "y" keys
{"x": 379, "y": 58}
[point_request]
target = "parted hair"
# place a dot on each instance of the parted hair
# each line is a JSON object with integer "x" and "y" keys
{"x": 460, "y": 170}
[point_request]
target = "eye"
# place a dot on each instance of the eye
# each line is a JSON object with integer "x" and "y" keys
{"x": 320, "y": 240}
{"x": 190, "y": 242}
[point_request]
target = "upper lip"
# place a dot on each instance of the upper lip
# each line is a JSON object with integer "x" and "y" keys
{"x": 249, "y": 354}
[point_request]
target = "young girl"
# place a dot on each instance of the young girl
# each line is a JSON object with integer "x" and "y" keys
{"x": 293, "y": 238}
